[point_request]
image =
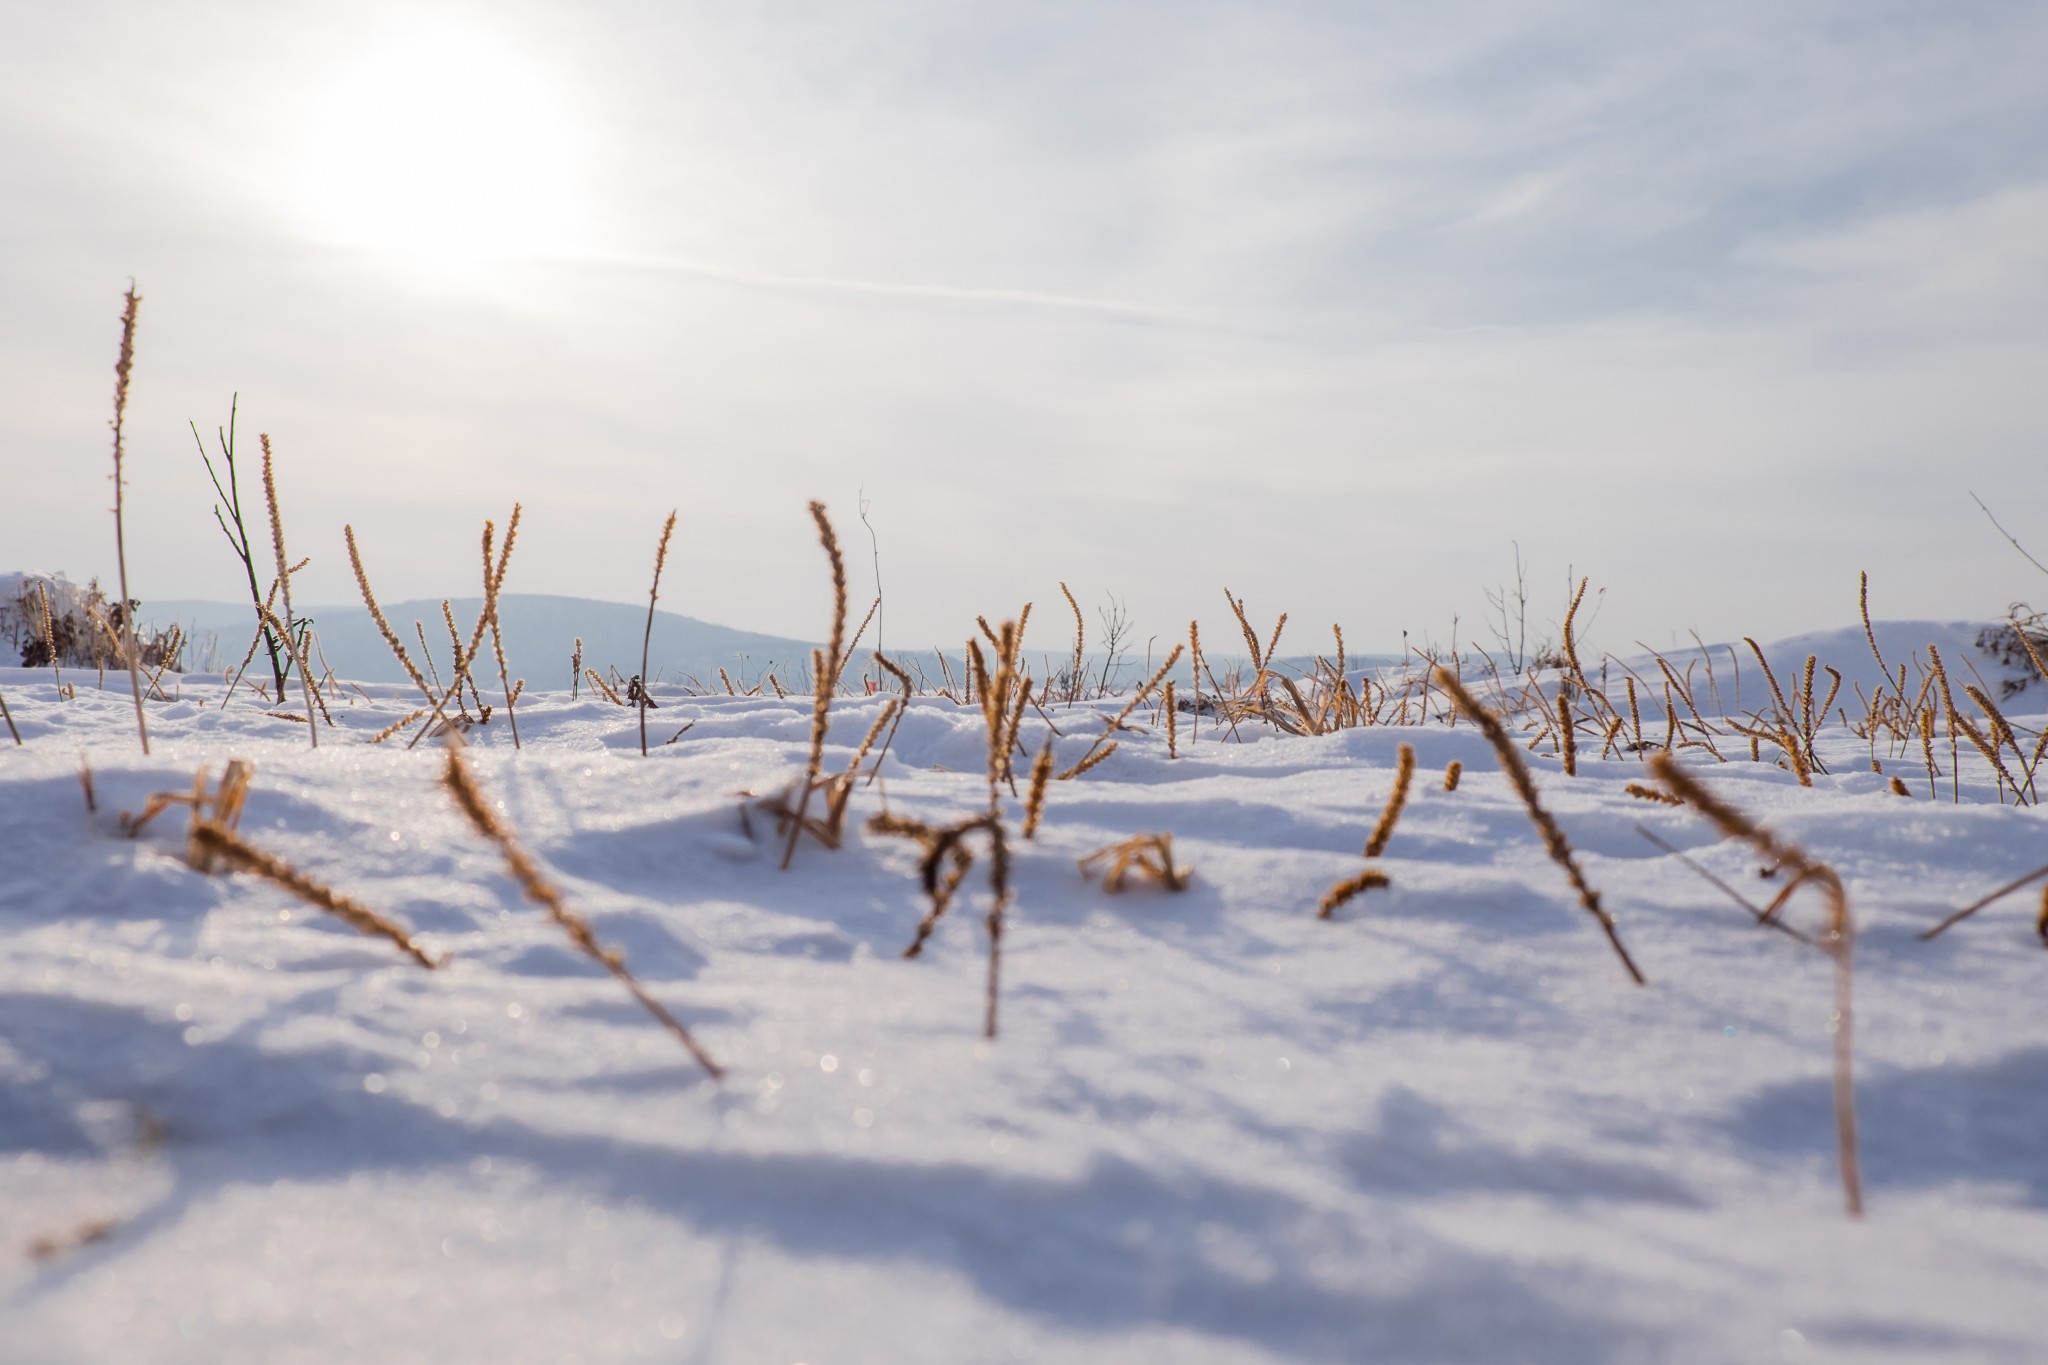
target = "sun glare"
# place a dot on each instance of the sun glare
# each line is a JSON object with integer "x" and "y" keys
{"x": 446, "y": 145}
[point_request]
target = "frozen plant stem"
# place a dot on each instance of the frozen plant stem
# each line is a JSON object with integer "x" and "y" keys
{"x": 122, "y": 367}
{"x": 470, "y": 799}
{"x": 1839, "y": 943}
{"x": 294, "y": 642}
{"x": 1546, "y": 824}
{"x": 647, "y": 636}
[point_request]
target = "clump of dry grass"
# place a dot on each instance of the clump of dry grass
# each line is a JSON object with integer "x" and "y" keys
{"x": 1147, "y": 857}
{"x": 223, "y": 806}
{"x": 1839, "y": 943}
{"x": 470, "y": 799}
{"x": 1554, "y": 842}
{"x": 944, "y": 866}
{"x": 465, "y": 654}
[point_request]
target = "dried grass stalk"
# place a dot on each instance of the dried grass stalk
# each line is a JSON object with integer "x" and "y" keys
{"x": 1095, "y": 753}
{"x": 1643, "y": 793}
{"x": 1172, "y": 724}
{"x": 1973, "y": 907}
{"x": 1075, "y": 670}
{"x": 395, "y": 726}
{"x": 219, "y": 842}
{"x": 896, "y": 671}
{"x": 469, "y": 798}
{"x": 1343, "y": 891}
{"x": 124, "y": 364}
{"x": 494, "y": 580}
{"x": 1568, "y": 747}
{"x": 647, "y": 636}
{"x": 284, "y": 574}
{"x": 853, "y": 645}
{"x": 1839, "y": 943}
{"x": 830, "y": 542}
{"x": 821, "y": 705}
{"x": 1148, "y": 857}
{"x": 1554, "y": 842}
{"x": 355, "y": 559}
{"x": 1034, "y": 802}
{"x": 8, "y": 716}
{"x": 1397, "y": 799}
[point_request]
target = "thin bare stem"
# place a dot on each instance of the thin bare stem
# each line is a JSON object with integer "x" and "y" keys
{"x": 122, "y": 367}
{"x": 647, "y": 635}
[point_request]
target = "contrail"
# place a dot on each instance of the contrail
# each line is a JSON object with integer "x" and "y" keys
{"x": 1118, "y": 310}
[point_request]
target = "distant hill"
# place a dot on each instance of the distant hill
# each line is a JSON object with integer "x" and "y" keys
{"x": 540, "y": 637}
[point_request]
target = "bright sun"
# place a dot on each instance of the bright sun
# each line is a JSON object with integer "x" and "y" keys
{"x": 445, "y": 144}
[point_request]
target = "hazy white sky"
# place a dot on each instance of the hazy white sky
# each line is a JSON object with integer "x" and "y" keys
{"x": 1326, "y": 303}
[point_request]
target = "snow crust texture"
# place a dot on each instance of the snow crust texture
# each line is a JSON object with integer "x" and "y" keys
{"x": 1442, "y": 1127}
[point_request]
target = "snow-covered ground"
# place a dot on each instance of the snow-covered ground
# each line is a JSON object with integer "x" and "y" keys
{"x": 1442, "y": 1127}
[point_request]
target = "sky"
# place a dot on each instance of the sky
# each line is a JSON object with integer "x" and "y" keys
{"x": 1336, "y": 306}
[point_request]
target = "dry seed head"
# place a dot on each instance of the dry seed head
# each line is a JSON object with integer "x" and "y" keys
{"x": 217, "y": 841}
{"x": 1088, "y": 762}
{"x": 1567, "y": 732}
{"x": 1404, "y": 772}
{"x": 1172, "y": 724}
{"x": 830, "y": 541}
{"x": 1554, "y": 842}
{"x": 1643, "y": 793}
{"x": 1034, "y": 803}
{"x": 469, "y": 798}
{"x": 355, "y": 559}
{"x": 395, "y": 726}
{"x": 1452, "y": 772}
{"x": 1343, "y": 891}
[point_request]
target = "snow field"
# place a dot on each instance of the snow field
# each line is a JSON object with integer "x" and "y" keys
{"x": 1444, "y": 1127}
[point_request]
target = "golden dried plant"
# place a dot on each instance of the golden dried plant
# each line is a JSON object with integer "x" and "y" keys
{"x": 1383, "y": 829}
{"x": 219, "y": 843}
{"x": 471, "y": 801}
{"x": 1147, "y": 857}
{"x": 124, "y": 365}
{"x": 647, "y": 636}
{"x": 1345, "y": 890}
{"x": 1838, "y": 943}
{"x": 1554, "y": 841}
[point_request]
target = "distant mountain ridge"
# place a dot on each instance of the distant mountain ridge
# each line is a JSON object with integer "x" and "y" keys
{"x": 540, "y": 631}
